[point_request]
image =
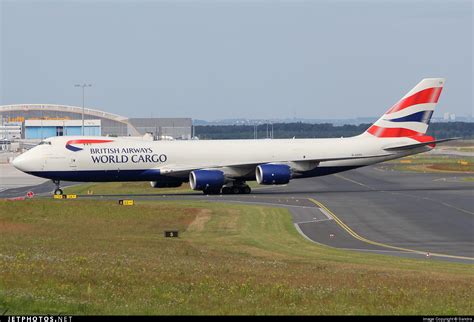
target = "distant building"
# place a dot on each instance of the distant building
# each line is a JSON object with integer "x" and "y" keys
{"x": 40, "y": 129}
{"x": 449, "y": 117}
{"x": 45, "y": 120}
{"x": 177, "y": 128}
{"x": 9, "y": 131}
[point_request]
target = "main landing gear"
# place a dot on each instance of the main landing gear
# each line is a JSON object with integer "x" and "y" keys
{"x": 58, "y": 190}
{"x": 234, "y": 189}
{"x": 240, "y": 188}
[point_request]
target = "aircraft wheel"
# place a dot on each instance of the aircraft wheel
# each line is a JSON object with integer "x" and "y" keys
{"x": 58, "y": 191}
{"x": 235, "y": 190}
{"x": 246, "y": 190}
{"x": 226, "y": 190}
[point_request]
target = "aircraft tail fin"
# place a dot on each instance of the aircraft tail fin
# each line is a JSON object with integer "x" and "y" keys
{"x": 411, "y": 115}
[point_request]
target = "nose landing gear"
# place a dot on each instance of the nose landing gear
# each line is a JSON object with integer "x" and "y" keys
{"x": 58, "y": 190}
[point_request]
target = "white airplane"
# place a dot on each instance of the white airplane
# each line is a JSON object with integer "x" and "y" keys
{"x": 224, "y": 166}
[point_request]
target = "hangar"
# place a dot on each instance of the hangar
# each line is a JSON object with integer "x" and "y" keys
{"x": 44, "y": 120}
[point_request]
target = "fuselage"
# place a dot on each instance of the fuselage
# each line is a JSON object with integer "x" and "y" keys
{"x": 96, "y": 159}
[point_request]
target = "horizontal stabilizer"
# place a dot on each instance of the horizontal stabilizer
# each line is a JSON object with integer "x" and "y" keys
{"x": 417, "y": 145}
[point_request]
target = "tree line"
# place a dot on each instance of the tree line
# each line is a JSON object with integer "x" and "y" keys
{"x": 323, "y": 130}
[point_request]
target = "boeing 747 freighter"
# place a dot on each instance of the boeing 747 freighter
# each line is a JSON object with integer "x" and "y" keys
{"x": 224, "y": 166}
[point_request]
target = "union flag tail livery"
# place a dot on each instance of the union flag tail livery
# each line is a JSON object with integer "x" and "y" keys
{"x": 411, "y": 115}
{"x": 224, "y": 166}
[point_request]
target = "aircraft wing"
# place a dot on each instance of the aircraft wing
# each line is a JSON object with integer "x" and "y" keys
{"x": 184, "y": 170}
{"x": 417, "y": 145}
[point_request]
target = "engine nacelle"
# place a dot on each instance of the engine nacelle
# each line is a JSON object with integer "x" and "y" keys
{"x": 166, "y": 183}
{"x": 206, "y": 179}
{"x": 273, "y": 174}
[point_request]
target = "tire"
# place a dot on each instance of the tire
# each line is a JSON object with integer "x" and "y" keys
{"x": 226, "y": 190}
{"x": 246, "y": 190}
{"x": 235, "y": 190}
{"x": 58, "y": 192}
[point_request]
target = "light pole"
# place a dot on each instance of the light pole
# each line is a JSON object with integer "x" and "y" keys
{"x": 83, "y": 87}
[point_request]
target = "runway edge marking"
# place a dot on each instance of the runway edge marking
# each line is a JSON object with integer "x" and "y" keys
{"x": 311, "y": 221}
{"x": 304, "y": 235}
{"x": 368, "y": 241}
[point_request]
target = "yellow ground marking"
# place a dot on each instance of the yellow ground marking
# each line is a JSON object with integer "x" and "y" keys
{"x": 368, "y": 241}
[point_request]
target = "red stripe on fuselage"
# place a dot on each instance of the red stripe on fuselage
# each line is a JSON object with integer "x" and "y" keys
{"x": 429, "y": 95}
{"x": 85, "y": 141}
{"x": 385, "y": 132}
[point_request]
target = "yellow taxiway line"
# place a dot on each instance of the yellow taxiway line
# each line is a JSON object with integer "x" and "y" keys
{"x": 368, "y": 241}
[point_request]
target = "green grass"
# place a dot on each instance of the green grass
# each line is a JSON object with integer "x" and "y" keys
{"x": 112, "y": 188}
{"x": 96, "y": 257}
{"x": 432, "y": 163}
{"x": 126, "y": 188}
{"x": 468, "y": 149}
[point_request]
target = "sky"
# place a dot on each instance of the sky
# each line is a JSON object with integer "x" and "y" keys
{"x": 236, "y": 59}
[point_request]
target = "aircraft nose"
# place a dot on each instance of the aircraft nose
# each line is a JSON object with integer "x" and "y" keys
{"x": 20, "y": 162}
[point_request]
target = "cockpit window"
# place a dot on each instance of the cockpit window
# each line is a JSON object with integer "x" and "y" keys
{"x": 45, "y": 142}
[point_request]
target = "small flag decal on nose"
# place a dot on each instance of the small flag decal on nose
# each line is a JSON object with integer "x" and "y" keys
{"x": 71, "y": 147}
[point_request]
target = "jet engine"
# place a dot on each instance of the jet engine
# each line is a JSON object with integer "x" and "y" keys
{"x": 206, "y": 180}
{"x": 167, "y": 183}
{"x": 273, "y": 174}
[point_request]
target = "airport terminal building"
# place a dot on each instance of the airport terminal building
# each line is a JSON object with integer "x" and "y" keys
{"x": 38, "y": 121}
